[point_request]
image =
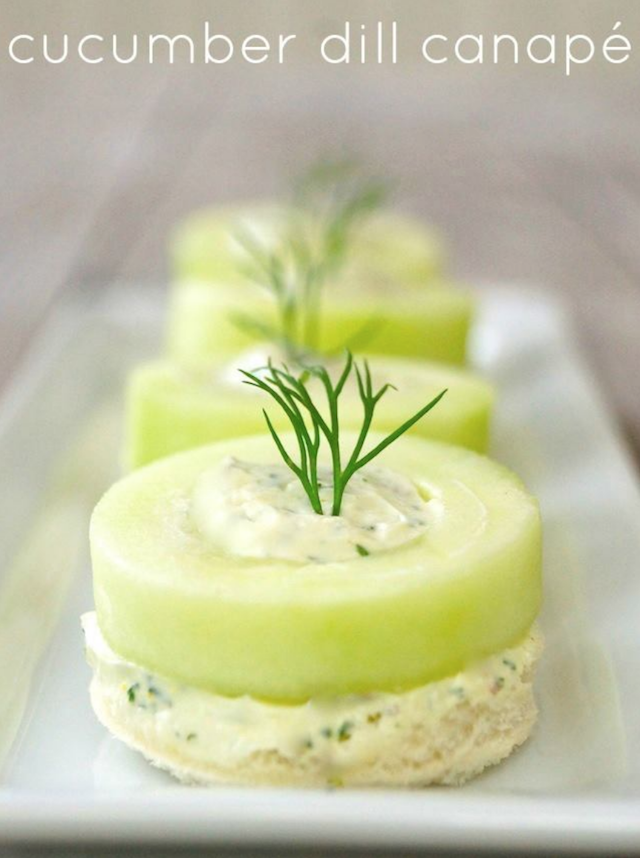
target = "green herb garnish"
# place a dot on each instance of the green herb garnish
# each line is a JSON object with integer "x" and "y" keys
{"x": 311, "y": 426}
{"x": 330, "y": 201}
{"x": 344, "y": 731}
{"x": 362, "y": 551}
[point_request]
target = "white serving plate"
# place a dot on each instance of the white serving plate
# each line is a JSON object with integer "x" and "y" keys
{"x": 575, "y": 785}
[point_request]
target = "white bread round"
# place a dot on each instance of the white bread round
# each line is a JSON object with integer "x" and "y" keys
{"x": 444, "y": 732}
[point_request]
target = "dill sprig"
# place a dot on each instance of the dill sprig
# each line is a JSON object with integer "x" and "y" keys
{"x": 329, "y": 202}
{"x": 310, "y": 425}
{"x": 339, "y": 197}
{"x": 278, "y": 269}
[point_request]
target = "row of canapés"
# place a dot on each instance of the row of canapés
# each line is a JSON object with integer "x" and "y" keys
{"x": 387, "y": 298}
{"x": 328, "y": 601}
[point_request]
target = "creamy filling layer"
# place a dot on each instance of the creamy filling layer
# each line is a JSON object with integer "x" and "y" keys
{"x": 256, "y": 359}
{"x": 257, "y": 510}
{"x": 205, "y": 726}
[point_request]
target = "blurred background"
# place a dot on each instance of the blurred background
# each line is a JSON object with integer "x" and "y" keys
{"x": 532, "y": 176}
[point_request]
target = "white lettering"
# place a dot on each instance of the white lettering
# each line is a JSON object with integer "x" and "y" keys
{"x": 248, "y": 48}
{"x": 209, "y": 40}
{"x": 26, "y": 38}
{"x": 65, "y": 50}
{"x": 425, "y": 49}
{"x": 550, "y": 41}
{"x": 81, "y": 52}
{"x": 623, "y": 45}
{"x": 340, "y": 40}
{"x": 572, "y": 58}
{"x": 282, "y": 44}
{"x": 478, "y": 41}
{"x": 505, "y": 38}
{"x": 171, "y": 41}
{"x": 134, "y": 51}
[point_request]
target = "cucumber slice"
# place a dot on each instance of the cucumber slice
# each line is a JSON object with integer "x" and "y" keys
{"x": 171, "y": 408}
{"x": 430, "y": 323}
{"x": 390, "y": 285}
{"x": 169, "y": 601}
{"x": 203, "y": 247}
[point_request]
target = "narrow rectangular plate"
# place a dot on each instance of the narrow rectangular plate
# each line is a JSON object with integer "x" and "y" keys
{"x": 575, "y": 784}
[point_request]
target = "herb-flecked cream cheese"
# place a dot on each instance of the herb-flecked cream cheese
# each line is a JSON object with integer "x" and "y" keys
{"x": 257, "y": 510}
{"x": 445, "y": 730}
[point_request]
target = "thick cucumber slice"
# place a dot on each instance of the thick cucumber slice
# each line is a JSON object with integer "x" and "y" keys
{"x": 430, "y": 323}
{"x": 396, "y": 246}
{"x": 391, "y": 285}
{"x": 167, "y": 600}
{"x": 171, "y": 408}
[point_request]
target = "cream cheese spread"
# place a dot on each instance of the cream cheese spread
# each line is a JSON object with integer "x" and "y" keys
{"x": 208, "y": 736}
{"x": 248, "y": 509}
{"x": 256, "y": 360}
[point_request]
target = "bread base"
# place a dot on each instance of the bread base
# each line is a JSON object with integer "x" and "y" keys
{"x": 445, "y": 732}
